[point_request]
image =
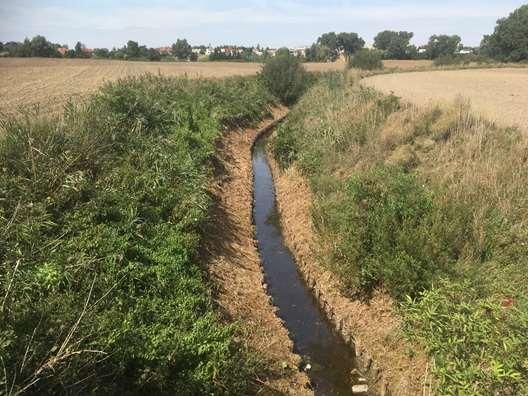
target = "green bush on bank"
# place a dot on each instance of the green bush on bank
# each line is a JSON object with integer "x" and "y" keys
{"x": 367, "y": 59}
{"x": 285, "y": 76}
{"x": 102, "y": 213}
{"x": 397, "y": 238}
{"x": 478, "y": 343}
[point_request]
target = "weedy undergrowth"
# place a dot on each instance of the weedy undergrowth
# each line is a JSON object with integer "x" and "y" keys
{"x": 102, "y": 212}
{"x": 427, "y": 204}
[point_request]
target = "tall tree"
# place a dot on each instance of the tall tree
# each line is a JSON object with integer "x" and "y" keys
{"x": 42, "y": 47}
{"x": 80, "y": 50}
{"x": 396, "y": 45}
{"x": 154, "y": 55}
{"x": 349, "y": 43}
{"x": 332, "y": 44}
{"x": 132, "y": 49}
{"x": 181, "y": 49}
{"x": 24, "y": 49}
{"x": 509, "y": 41}
{"x": 101, "y": 53}
{"x": 443, "y": 45}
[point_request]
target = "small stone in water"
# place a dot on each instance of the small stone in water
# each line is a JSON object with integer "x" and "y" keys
{"x": 360, "y": 389}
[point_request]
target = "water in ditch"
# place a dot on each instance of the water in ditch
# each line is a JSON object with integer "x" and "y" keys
{"x": 314, "y": 338}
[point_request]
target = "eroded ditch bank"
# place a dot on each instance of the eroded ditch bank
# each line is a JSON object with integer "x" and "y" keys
{"x": 327, "y": 358}
{"x": 233, "y": 263}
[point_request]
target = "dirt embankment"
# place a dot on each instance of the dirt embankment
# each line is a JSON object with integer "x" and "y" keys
{"x": 373, "y": 328}
{"x": 235, "y": 268}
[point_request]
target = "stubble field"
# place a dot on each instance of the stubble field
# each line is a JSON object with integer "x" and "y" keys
{"x": 500, "y": 95}
{"x": 49, "y": 83}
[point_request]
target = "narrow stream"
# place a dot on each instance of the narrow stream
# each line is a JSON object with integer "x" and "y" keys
{"x": 313, "y": 335}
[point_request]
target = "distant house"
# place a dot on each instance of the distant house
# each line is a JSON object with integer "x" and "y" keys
{"x": 164, "y": 50}
{"x": 230, "y": 50}
{"x": 299, "y": 51}
{"x": 63, "y": 51}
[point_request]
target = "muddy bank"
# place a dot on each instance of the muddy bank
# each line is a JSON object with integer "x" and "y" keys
{"x": 235, "y": 268}
{"x": 373, "y": 328}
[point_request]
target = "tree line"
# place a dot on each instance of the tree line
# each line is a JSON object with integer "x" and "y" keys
{"x": 39, "y": 46}
{"x": 508, "y": 43}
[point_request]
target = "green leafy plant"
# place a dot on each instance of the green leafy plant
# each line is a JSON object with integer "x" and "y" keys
{"x": 285, "y": 77}
{"x": 102, "y": 214}
{"x": 367, "y": 60}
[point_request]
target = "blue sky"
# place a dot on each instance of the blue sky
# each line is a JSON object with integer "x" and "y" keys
{"x": 271, "y": 23}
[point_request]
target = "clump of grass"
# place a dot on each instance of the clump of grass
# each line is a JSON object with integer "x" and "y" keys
{"x": 101, "y": 212}
{"x": 413, "y": 200}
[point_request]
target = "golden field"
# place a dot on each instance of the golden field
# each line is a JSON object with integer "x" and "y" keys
{"x": 49, "y": 83}
{"x": 500, "y": 95}
{"x": 407, "y": 64}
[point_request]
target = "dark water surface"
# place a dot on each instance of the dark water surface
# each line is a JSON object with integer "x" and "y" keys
{"x": 313, "y": 335}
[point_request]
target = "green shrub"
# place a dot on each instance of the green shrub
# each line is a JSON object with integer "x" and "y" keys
{"x": 102, "y": 214}
{"x": 478, "y": 344}
{"x": 285, "y": 77}
{"x": 394, "y": 241}
{"x": 285, "y": 145}
{"x": 367, "y": 59}
{"x": 448, "y": 60}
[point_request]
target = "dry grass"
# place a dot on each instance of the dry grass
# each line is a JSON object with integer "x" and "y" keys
{"x": 49, "y": 83}
{"x": 407, "y": 64}
{"x": 500, "y": 95}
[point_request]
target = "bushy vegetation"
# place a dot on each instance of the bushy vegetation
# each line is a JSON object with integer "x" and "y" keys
{"x": 399, "y": 234}
{"x": 102, "y": 212}
{"x": 509, "y": 41}
{"x": 330, "y": 45}
{"x": 396, "y": 45}
{"x": 427, "y": 204}
{"x": 367, "y": 59}
{"x": 285, "y": 76}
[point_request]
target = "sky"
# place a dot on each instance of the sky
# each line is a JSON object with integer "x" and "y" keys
{"x": 272, "y": 23}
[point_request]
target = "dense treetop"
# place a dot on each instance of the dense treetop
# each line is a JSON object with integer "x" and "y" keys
{"x": 509, "y": 41}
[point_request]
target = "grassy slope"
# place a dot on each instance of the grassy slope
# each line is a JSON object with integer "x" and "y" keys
{"x": 430, "y": 205}
{"x": 101, "y": 213}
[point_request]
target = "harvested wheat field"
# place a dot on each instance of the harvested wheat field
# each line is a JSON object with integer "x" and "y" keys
{"x": 407, "y": 64}
{"x": 500, "y": 95}
{"x": 49, "y": 83}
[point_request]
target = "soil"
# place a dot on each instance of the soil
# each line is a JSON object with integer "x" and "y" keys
{"x": 235, "y": 268}
{"x": 373, "y": 328}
